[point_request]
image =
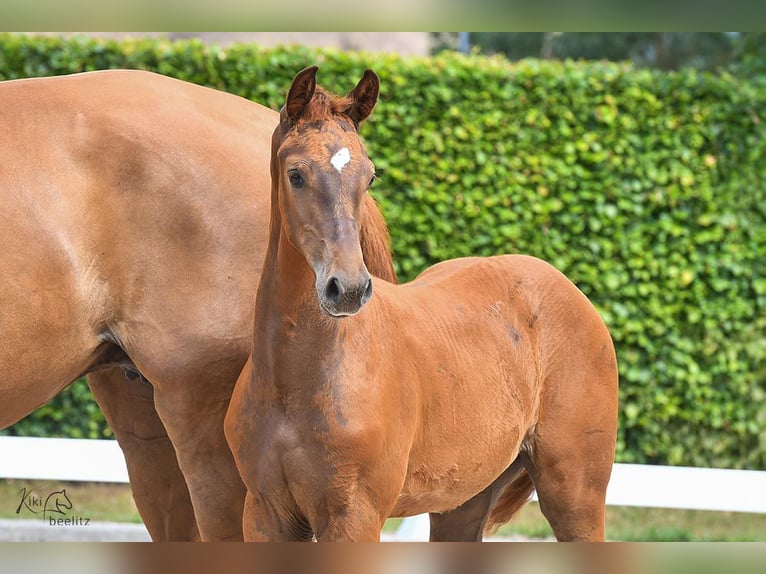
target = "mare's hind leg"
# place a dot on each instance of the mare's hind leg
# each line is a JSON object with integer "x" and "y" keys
{"x": 158, "y": 487}
{"x": 193, "y": 412}
{"x": 466, "y": 522}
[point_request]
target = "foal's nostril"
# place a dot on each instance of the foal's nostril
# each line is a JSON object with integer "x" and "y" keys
{"x": 334, "y": 290}
{"x": 367, "y": 292}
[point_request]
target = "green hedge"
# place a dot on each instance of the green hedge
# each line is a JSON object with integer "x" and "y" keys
{"x": 645, "y": 188}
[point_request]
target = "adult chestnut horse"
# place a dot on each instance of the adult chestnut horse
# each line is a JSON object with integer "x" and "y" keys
{"x": 134, "y": 212}
{"x": 452, "y": 394}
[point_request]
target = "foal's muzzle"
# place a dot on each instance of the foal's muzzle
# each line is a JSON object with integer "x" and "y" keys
{"x": 342, "y": 296}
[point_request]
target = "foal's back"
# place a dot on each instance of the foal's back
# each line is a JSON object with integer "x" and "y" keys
{"x": 524, "y": 299}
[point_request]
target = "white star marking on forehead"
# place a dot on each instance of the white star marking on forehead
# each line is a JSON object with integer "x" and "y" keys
{"x": 341, "y": 158}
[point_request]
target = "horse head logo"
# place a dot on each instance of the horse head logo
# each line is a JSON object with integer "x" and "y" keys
{"x": 58, "y": 502}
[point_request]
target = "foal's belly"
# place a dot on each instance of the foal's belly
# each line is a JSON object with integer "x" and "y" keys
{"x": 471, "y": 430}
{"x": 439, "y": 486}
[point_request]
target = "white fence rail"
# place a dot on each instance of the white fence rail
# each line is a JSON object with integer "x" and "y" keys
{"x": 62, "y": 459}
{"x": 630, "y": 485}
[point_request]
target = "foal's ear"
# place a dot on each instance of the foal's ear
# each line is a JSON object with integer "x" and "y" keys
{"x": 300, "y": 93}
{"x": 364, "y": 96}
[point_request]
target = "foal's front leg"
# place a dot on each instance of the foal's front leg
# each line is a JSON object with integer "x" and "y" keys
{"x": 277, "y": 518}
{"x": 358, "y": 522}
{"x": 263, "y": 522}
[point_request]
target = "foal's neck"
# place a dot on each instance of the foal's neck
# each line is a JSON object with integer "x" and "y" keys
{"x": 293, "y": 337}
{"x": 287, "y": 283}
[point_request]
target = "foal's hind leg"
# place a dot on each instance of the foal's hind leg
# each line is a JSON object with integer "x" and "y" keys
{"x": 571, "y": 488}
{"x": 466, "y": 523}
{"x": 572, "y": 451}
{"x": 158, "y": 487}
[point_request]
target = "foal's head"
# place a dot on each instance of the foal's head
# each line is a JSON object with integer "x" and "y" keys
{"x": 323, "y": 174}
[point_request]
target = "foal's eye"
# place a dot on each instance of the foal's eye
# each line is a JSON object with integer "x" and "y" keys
{"x": 296, "y": 179}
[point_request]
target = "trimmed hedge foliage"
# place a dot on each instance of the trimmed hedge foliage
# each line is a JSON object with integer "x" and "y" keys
{"x": 645, "y": 188}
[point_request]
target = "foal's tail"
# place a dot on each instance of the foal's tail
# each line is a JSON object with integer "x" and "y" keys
{"x": 510, "y": 502}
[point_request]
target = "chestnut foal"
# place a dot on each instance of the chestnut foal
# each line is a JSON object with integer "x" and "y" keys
{"x": 455, "y": 394}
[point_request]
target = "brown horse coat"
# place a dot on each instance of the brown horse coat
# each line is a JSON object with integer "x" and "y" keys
{"x": 451, "y": 394}
{"x": 134, "y": 212}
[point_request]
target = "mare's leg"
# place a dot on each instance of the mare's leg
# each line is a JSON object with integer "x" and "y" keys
{"x": 466, "y": 523}
{"x": 193, "y": 413}
{"x": 158, "y": 487}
